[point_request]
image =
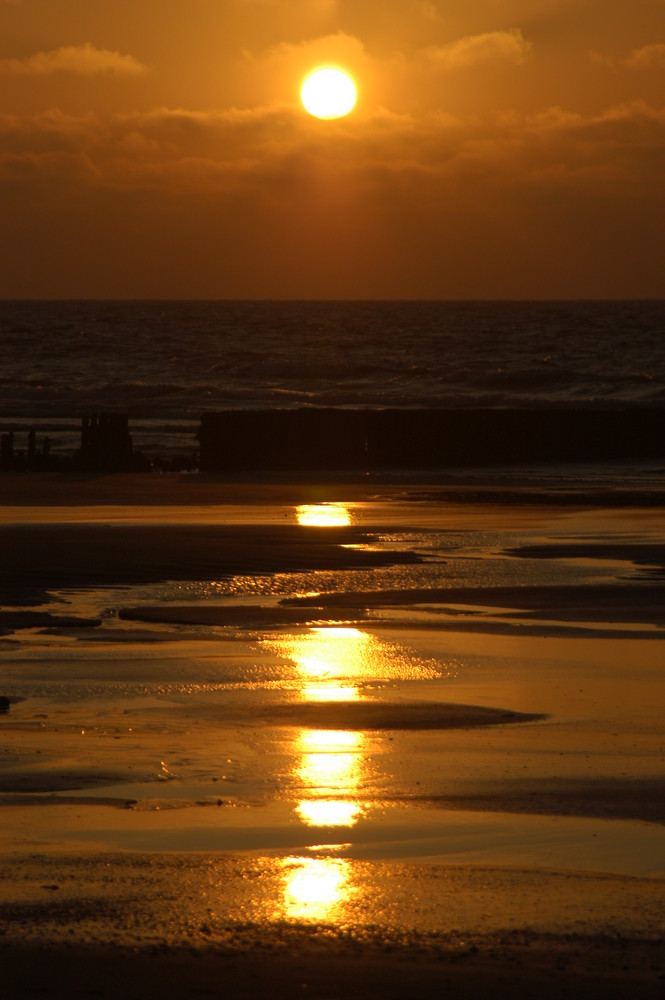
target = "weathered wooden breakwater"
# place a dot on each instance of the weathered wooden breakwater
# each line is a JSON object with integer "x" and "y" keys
{"x": 326, "y": 439}
{"x": 355, "y": 440}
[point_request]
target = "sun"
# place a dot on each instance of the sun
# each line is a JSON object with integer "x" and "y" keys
{"x": 328, "y": 93}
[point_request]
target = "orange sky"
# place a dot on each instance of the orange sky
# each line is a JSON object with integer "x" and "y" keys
{"x": 498, "y": 149}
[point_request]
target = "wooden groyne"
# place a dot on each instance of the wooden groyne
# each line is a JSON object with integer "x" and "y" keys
{"x": 106, "y": 446}
{"x": 326, "y": 439}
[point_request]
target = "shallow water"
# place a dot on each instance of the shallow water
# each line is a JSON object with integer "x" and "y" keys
{"x": 275, "y": 740}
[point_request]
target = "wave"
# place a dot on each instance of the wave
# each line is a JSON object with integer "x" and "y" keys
{"x": 175, "y": 360}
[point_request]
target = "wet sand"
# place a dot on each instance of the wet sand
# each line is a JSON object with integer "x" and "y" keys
{"x": 169, "y": 927}
{"x": 365, "y": 791}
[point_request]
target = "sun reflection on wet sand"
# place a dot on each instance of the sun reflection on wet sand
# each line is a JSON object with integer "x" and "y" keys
{"x": 315, "y": 889}
{"x": 337, "y": 652}
{"x": 323, "y": 515}
{"x": 329, "y": 692}
{"x": 332, "y": 662}
{"x": 321, "y": 740}
{"x": 329, "y": 763}
{"x": 329, "y": 812}
{"x": 330, "y": 769}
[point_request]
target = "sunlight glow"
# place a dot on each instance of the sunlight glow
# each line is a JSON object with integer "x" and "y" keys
{"x": 328, "y": 93}
{"x": 315, "y": 887}
{"x": 331, "y": 762}
{"x": 322, "y": 740}
{"x": 331, "y": 660}
{"x": 339, "y": 653}
{"x": 329, "y": 692}
{"x": 329, "y": 812}
{"x": 323, "y": 515}
{"x": 330, "y": 765}
{"x": 325, "y": 771}
{"x": 335, "y": 662}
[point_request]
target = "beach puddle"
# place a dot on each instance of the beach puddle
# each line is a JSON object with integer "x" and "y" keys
{"x": 326, "y": 657}
{"x": 325, "y": 515}
{"x": 312, "y": 726}
{"x": 385, "y": 833}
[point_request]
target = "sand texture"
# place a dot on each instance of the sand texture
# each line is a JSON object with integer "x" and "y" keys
{"x": 414, "y": 745}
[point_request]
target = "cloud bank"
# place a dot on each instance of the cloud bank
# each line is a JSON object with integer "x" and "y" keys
{"x": 474, "y": 49}
{"x": 480, "y": 160}
{"x": 171, "y": 148}
{"x": 80, "y": 60}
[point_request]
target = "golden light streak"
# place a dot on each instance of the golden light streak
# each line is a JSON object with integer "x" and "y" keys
{"x": 329, "y": 812}
{"x": 323, "y": 515}
{"x": 319, "y": 740}
{"x": 330, "y": 767}
{"x": 315, "y": 888}
{"x": 333, "y": 653}
{"x": 330, "y": 692}
{"x": 329, "y": 763}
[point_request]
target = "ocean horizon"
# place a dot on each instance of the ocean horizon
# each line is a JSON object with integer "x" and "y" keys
{"x": 165, "y": 363}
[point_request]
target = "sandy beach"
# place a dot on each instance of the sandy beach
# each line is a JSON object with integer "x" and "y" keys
{"x": 330, "y": 739}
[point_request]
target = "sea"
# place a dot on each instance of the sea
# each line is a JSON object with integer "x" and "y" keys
{"x": 211, "y": 679}
{"x": 165, "y": 363}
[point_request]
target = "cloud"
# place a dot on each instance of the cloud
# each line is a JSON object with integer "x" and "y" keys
{"x": 80, "y": 60}
{"x": 276, "y": 148}
{"x": 471, "y": 50}
{"x": 337, "y": 47}
{"x": 620, "y": 146}
{"x": 266, "y": 201}
{"x": 276, "y": 74}
{"x": 649, "y": 55}
{"x": 317, "y": 7}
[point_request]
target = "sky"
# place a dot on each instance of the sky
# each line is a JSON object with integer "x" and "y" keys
{"x": 498, "y": 149}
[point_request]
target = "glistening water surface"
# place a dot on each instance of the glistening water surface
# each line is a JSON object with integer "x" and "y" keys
{"x": 373, "y": 729}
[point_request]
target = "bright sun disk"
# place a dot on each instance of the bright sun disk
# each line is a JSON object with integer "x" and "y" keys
{"x": 328, "y": 93}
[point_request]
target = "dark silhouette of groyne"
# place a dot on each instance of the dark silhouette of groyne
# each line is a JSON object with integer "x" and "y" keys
{"x": 34, "y": 458}
{"x": 326, "y": 439}
{"x": 106, "y": 446}
{"x": 320, "y": 439}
